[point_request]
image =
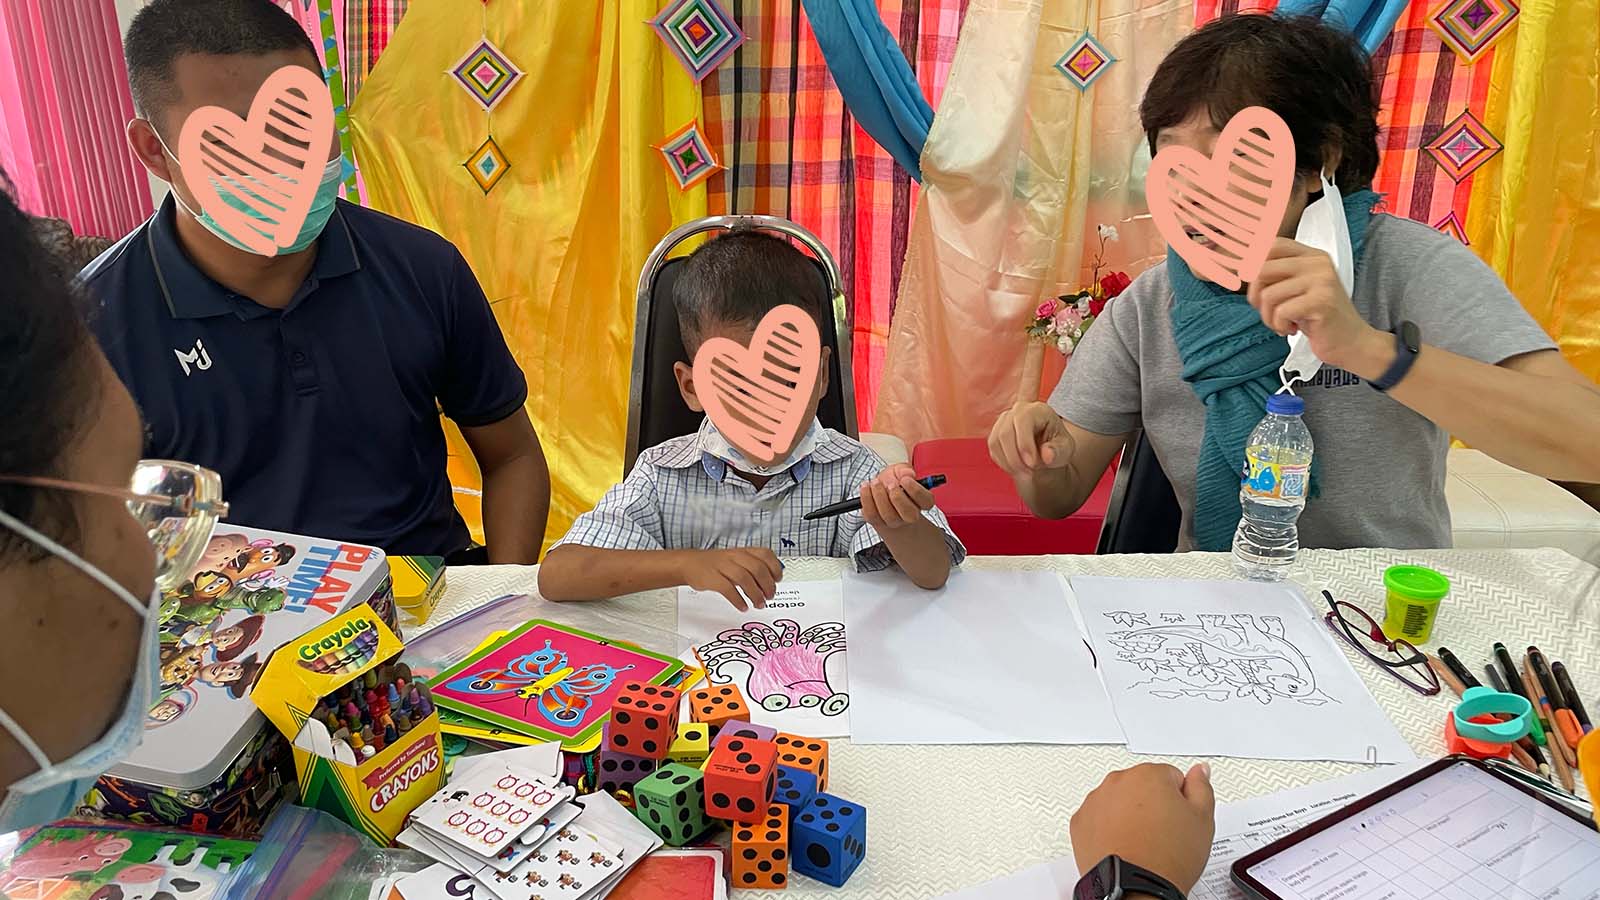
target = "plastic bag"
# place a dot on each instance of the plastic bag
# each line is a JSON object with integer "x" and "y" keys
{"x": 306, "y": 853}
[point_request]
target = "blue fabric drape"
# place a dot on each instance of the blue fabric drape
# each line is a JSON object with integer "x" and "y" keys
{"x": 1370, "y": 20}
{"x": 876, "y": 81}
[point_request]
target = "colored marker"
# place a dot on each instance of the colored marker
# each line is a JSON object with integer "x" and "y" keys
{"x": 1514, "y": 682}
{"x": 1574, "y": 702}
{"x": 1527, "y": 742}
{"x": 1562, "y": 720}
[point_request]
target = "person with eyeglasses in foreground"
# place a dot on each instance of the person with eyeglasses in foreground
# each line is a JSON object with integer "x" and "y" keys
{"x": 78, "y": 636}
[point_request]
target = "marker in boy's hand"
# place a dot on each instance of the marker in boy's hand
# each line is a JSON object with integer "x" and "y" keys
{"x": 894, "y": 499}
{"x": 755, "y": 570}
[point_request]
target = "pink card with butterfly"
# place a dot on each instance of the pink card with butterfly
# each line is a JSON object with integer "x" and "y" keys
{"x": 547, "y": 681}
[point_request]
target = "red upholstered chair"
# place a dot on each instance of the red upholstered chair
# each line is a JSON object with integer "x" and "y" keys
{"x": 987, "y": 514}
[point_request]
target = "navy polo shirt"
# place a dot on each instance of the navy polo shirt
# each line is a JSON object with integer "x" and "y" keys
{"x": 323, "y": 417}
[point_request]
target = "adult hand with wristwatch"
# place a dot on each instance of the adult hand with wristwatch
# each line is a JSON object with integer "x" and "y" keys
{"x": 1144, "y": 834}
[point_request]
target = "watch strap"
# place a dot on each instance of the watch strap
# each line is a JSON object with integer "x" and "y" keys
{"x": 1408, "y": 342}
{"x": 1141, "y": 881}
{"x": 1114, "y": 878}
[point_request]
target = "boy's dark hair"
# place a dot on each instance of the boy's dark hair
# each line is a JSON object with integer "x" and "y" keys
{"x": 48, "y": 386}
{"x": 1315, "y": 76}
{"x": 168, "y": 29}
{"x": 740, "y": 277}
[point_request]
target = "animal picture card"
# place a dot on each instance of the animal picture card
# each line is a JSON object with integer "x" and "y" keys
{"x": 70, "y": 862}
{"x": 572, "y": 864}
{"x": 547, "y": 681}
{"x": 788, "y": 660}
{"x": 1230, "y": 668}
{"x": 490, "y": 808}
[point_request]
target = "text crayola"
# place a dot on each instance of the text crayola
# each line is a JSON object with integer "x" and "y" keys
{"x": 312, "y": 649}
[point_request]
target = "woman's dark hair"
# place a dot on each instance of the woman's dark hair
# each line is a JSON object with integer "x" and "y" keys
{"x": 1315, "y": 76}
{"x": 47, "y": 377}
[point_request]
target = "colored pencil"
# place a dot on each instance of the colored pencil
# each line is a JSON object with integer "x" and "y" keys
{"x": 1526, "y": 743}
{"x": 1541, "y": 710}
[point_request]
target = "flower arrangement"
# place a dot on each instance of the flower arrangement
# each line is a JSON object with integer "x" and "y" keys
{"x": 1064, "y": 320}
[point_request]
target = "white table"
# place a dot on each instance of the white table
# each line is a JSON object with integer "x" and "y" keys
{"x": 946, "y": 817}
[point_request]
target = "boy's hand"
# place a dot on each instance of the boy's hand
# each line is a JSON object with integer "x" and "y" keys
{"x": 1153, "y": 816}
{"x": 755, "y": 569}
{"x": 894, "y": 499}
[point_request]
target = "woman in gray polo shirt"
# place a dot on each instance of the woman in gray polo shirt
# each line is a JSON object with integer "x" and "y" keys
{"x": 1429, "y": 344}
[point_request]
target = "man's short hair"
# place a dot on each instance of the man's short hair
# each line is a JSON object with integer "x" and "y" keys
{"x": 168, "y": 29}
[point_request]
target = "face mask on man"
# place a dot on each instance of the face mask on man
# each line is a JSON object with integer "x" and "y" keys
{"x": 234, "y": 191}
{"x": 55, "y": 789}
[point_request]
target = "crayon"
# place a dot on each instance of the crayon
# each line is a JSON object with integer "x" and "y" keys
{"x": 402, "y": 722}
{"x": 413, "y": 700}
{"x": 370, "y": 679}
{"x": 394, "y": 695}
{"x": 333, "y": 722}
{"x": 390, "y": 734}
{"x": 425, "y": 708}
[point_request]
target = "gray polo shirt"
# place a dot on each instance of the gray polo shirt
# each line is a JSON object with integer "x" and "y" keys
{"x": 1382, "y": 465}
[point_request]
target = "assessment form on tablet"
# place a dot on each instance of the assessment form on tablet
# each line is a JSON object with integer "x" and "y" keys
{"x": 1461, "y": 833}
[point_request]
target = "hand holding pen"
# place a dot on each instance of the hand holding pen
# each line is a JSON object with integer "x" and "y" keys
{"x": 896, "y": 498}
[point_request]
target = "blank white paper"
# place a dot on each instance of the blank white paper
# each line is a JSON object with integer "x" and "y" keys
{"x": 1230, "y": 668}
{"x": 993, "y": 657}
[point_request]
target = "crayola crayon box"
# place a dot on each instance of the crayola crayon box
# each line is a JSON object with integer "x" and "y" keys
{"x": 305, "y": 688}
{"x": 209, "y": 762}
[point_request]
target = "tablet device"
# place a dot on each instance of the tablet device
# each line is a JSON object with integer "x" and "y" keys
{"x": 1455, "y": 829}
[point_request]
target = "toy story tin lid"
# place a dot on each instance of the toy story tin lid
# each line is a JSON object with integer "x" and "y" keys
{"x": 251, "y": 592}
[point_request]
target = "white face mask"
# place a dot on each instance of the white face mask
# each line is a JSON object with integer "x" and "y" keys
{"x": 1324, "y": 227}
{"x": 55, "y": 790}
{"x": 712, "y": 442}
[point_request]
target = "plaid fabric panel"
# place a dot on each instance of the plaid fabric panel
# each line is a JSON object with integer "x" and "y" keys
{"x": 778, "y": 123}
{"x": 367, "y": 27}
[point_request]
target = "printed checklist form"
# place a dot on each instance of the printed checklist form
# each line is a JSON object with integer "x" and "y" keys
{"x": 1461, "y": 833}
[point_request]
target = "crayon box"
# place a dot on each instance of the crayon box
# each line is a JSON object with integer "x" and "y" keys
{"x": 418, "y": 585}
{"x": 206, "y": 762}
{"x": 377, "y": 793}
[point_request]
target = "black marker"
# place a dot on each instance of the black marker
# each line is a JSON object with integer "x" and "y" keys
{"x": 1457, "y": 669}
{"x": 853, "y": 504}
{"x": 1564, "y": 681}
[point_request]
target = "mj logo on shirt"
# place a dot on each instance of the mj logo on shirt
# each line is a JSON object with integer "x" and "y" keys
{"x": 198, "y": 358}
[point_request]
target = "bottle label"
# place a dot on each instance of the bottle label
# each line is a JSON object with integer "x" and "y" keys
{"x": 1275, "y": 481}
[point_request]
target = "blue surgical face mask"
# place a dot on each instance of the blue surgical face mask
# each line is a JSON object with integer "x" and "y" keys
{"x": 55, "y": 790}
{"x": 230, "y": 191}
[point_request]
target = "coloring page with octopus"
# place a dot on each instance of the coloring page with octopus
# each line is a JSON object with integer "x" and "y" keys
{"x": 547, "y": 681}
{"x": 788, "y": 659}
{"x": 1228, "y": 668}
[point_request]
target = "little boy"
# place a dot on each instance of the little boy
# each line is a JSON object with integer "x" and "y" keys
{"x": 694, "y": 511}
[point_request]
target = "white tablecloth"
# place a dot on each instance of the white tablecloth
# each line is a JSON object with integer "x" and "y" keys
{"x": 945, "y": 817}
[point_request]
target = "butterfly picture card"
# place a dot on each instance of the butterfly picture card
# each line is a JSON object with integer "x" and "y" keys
{"x": 548, "y": 681}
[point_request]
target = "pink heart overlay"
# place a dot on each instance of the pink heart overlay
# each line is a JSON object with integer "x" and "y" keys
{"x": 1235, "y": 197}
{"x": 757, "y": 396}
{"x": 263, "y": 168}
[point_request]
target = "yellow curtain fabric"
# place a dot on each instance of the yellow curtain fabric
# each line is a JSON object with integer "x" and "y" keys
{"x": 1535, "y": 211}
{"x": 1018, "y": 168}
{"x": 559, "y": 241}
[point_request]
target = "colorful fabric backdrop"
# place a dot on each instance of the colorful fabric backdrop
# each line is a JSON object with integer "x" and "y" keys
{"x": 582, "y": 195}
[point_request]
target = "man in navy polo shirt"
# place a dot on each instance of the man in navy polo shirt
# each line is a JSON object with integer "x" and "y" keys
{"x": 312, "y": 380}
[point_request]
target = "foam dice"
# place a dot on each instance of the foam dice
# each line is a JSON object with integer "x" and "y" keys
{"x": 740, "y": 776}
{"x": 744, "y": 730}
{"x": 828, "y": 839}
{"x": 672, "y": 804}
{"x": 619, "y": 771}
{"x": 718, "y": 705}
{"x": 644, "y": 720}
{"x": 804, "y": 753}
{"x": 761, "y": 851}
{"x": 692, "y": 745}
{"x": 795, "y": 788}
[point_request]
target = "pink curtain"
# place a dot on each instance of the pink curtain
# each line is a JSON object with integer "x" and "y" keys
{"x": 64, "y": 102}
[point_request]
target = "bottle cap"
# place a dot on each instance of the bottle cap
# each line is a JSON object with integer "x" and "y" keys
{"x": 1285, "y": 405}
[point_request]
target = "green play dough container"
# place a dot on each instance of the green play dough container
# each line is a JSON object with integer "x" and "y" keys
{"x": 1413, "y": 601}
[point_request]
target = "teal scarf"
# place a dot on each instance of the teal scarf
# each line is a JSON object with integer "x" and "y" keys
{"x": 1231, "y": 360}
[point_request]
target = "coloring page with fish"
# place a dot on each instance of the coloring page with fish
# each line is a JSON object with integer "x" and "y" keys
{"x": 547, "y": 681}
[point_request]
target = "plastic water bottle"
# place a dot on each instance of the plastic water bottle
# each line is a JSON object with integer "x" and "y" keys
{"x": 1272, "y": 491}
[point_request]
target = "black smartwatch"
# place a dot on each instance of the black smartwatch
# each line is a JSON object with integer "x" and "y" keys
{"x": 1408, "y": 342}
{"x": 1115, "y": 878}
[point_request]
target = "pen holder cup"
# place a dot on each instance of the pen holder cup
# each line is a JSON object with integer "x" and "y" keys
{"x": 1412, "y": 604}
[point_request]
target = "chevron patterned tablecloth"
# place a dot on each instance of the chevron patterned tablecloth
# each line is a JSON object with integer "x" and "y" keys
{"x": 947, "y": 817}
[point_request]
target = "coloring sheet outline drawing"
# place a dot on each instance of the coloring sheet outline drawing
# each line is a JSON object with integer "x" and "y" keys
{"x": 1273, "y": 683}
{"x": 788, "y": 660}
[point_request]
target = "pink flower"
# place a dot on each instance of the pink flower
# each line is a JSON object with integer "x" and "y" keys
{"x": 1067, "y": 318}
{"x": 1045, "y": 310}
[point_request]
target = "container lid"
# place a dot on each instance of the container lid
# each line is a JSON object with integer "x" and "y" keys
{"x": 1416, "y": 582}
{"x": 1285, "y": 405}
{"x": 251, "y": 592}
